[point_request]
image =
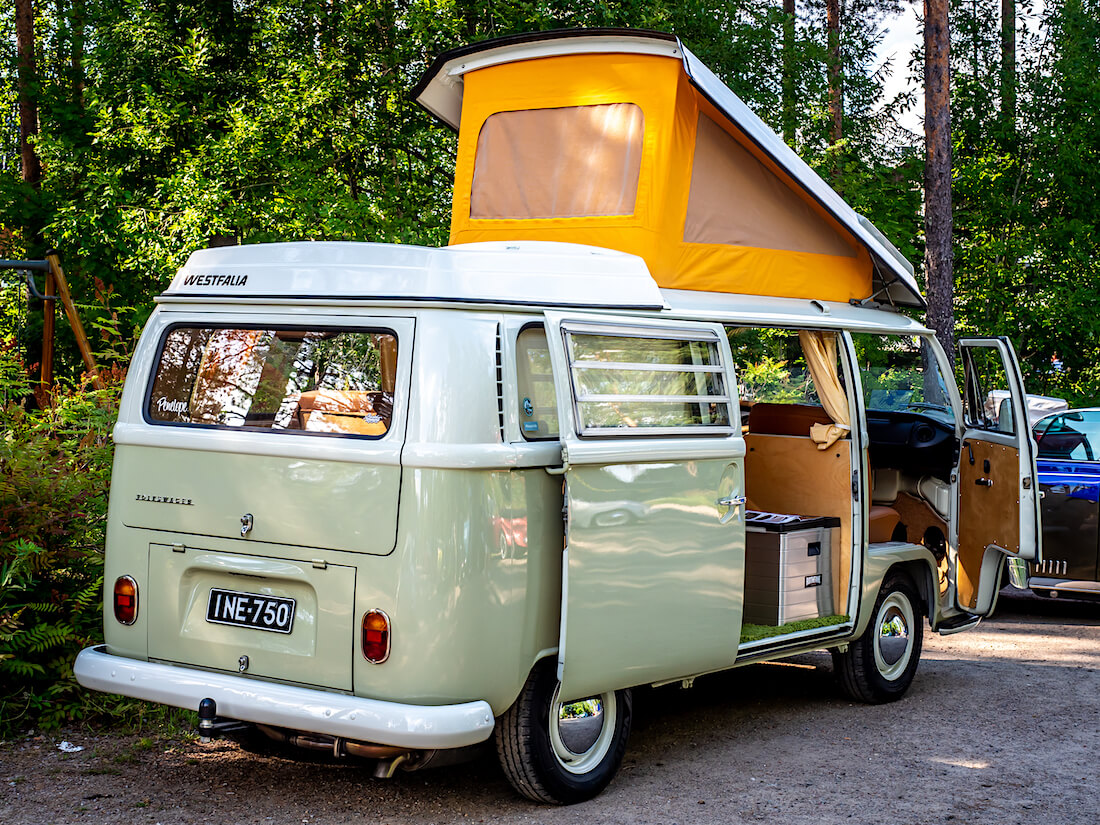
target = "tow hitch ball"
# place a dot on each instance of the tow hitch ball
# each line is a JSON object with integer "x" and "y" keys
{"x": 208, "y": 711}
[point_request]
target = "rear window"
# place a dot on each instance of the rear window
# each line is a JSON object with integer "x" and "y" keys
{"x": 323, "y": 381}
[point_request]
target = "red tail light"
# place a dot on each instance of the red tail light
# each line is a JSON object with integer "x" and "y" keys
{"x": 376, "y": 636}
{"x": 126, "y": 600}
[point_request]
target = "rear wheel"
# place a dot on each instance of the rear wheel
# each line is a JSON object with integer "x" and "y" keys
{"x": 562, "y": 752}
{"x": 880, "y": 665}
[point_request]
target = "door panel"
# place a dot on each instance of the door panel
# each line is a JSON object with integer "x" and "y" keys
{"x": 988, "y": 510}
{"x": 998, "y": 513}
{"x": 655, "y": 536}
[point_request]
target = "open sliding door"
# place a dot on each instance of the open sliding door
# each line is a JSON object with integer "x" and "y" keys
{"x": 998, "y": 499}
{"x": 653, "y": 564}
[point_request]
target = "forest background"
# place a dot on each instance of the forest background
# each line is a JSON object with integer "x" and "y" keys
{"x": 164, "y": 126}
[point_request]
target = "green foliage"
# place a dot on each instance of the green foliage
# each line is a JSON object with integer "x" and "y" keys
{"x": 54, "y": 468}
{"x": 1027, "y": 247}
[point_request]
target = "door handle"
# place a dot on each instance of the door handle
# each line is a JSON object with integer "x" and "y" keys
{"x": 984, "y": 482}
{"x": 733, "y": 502}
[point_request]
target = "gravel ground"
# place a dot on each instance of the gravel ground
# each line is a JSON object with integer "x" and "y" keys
{"x": 1001, "y": 726}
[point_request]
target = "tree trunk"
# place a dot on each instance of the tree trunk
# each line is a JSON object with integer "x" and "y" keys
{"x": 790, "y": 119}
{"x": 28, "y": 96}
{"x": 1008, "y": 64}
{"x": 939, "y": 276}
{"x": 836, "y": 93}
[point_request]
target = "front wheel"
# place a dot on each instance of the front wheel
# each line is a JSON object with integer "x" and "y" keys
{"x": 880, "y": 665}
{"x": 562, "y": 752}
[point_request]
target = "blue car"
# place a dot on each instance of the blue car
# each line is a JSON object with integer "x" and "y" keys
{"x": 1069, "y": 477}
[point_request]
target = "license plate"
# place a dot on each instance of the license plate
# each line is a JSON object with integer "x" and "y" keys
{"x": 274, "y": 613}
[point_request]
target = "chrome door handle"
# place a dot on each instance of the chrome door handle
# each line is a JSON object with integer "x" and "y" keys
{"x": 984, "y": 482}
{"x": 732, "y": 501}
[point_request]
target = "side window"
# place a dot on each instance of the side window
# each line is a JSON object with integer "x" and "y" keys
{"x": 538, "y": 408}
{"x": 987, "y": 402}
{"x": 1072, "y": 436}
{"x": 624, "y": 383}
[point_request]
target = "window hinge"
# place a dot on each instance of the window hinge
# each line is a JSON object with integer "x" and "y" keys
{"x": 855, "y": 484}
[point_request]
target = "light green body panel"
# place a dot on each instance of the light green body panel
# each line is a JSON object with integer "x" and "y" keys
{"x": 473, "y": 593}
{"x": 473, "y": 589}
{"x": 654, "y": 572}
{"x": 334, "y": 505}
{"x": 315, "y": 652}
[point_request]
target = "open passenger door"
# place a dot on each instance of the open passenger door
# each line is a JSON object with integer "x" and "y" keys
{"x": 998, "y": 513}
{"x": 653, "y": 565}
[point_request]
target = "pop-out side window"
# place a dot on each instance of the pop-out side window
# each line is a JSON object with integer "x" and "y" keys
{"x": 538, "y": 406}
{"x": 626, "y": 383}
{"x": 327, "y": 381}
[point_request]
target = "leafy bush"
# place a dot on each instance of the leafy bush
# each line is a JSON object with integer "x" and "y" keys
{"x": 54, "y": 476}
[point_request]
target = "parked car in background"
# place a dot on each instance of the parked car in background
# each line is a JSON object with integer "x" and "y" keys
{"x": 1069, "y": 477}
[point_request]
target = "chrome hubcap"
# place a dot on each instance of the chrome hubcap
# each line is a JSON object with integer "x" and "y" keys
{"x": 893, "y": 637}
{"x": 581, "y": 730}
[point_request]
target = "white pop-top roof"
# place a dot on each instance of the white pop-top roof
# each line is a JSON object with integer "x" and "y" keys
{"x": 553, "y": 274}
{"x": 441, "y": 87}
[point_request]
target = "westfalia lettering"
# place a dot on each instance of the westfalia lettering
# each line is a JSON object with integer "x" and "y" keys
{"x": 215, "y": 280}
{"x": 186, "y": 502}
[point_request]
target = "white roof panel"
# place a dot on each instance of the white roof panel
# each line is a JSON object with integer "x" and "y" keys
{"x": 523, "y": 272}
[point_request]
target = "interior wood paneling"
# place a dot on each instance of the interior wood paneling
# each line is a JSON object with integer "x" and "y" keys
{"x": 987, "y": 514}
{"x": 918, "y": 517}
{"x": 788, "y": 474}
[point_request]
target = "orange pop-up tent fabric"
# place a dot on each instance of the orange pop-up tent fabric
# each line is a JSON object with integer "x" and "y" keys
{"x": 621, "y": 151}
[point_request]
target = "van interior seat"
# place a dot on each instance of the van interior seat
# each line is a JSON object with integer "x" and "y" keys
{"x": 785, "y": 419}
{"x": 354, "y": 411}
{"x": 882, "y": 521}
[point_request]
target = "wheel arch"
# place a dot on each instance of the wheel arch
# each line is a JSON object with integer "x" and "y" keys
{"x": 916, "y": 563}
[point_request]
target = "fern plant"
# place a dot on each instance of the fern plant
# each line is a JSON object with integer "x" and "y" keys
{"x": 54, "y": 476}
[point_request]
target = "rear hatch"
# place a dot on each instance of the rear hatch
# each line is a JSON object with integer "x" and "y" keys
{"x": 268, "y": 452}
{"x": 293, "y": 433}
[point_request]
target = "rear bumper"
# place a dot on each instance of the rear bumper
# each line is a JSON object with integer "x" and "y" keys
{"x": 424, "y": 727}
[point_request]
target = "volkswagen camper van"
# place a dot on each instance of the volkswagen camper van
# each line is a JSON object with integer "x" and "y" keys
{"x": 397, "y": 502}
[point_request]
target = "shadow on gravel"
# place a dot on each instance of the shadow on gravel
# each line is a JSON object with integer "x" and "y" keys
{"x": 1023, "y": 604}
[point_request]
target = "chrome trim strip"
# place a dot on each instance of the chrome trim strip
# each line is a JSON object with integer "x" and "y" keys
{"x": 287, "y": 706}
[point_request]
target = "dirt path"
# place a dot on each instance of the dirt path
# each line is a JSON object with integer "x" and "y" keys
{"x": 1002, "y": 726}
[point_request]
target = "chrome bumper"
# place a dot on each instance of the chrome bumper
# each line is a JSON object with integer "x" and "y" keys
{"x": 424, "y": 727}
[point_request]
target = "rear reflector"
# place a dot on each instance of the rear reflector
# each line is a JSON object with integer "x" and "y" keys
{"x": 126, "y": 600}
{"x": 376, "y": 636}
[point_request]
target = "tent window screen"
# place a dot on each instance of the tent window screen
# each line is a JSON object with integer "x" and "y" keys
{"x": 572, "y": 162}
{"x": 623, "y": 384}
{"x": 737, "y": 201}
